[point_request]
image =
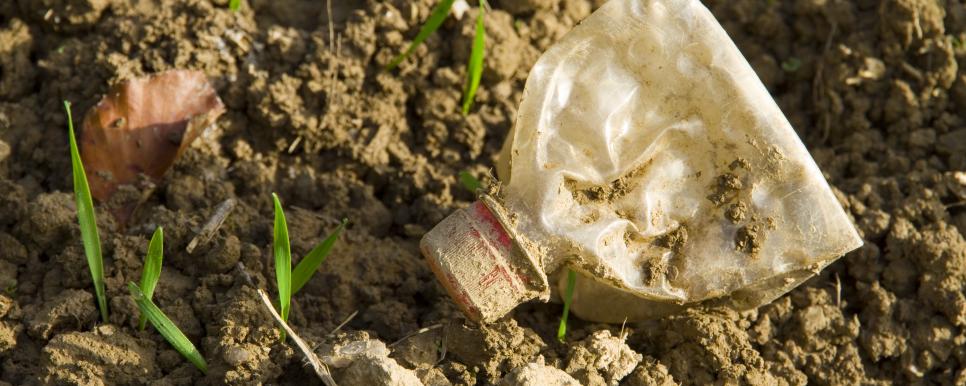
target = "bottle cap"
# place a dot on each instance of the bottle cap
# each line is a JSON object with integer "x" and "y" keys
{"x": 483, "y": 268}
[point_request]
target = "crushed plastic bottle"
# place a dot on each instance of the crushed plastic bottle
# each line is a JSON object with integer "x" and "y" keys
{"x": 649, "y": 157}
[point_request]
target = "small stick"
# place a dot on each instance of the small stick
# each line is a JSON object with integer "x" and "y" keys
{"x": 817, "y": 97}
{"x": 956, "y": 204}
{"x": 838, "y": 291}
{"x": 344, "y": 322}
{"x": 291, "y": 148}
{"x": 328, "y": 15}
{"x": 417, "y": 332}
{"x": 320, "y": 369}
{"x": 218, "y": 218}
{"x": 442, "y": 347}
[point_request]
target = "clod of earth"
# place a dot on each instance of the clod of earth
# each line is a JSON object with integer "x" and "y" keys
{"x": 142, "y": 125}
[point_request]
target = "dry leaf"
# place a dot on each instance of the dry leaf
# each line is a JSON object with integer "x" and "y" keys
{"x": 142, "y": 125}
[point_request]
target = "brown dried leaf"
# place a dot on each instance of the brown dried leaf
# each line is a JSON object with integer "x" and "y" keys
{"x": 143, "y": 125}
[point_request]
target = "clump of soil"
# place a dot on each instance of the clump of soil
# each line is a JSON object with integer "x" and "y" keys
{"x": 724, "y": 189}
{"x": 675, "y": 239}
{"x": 103, "y": 356}
{"x": 494, "y": 349}
{"x": 601, "y": 359}
{"x": 873, "y": 88}
{"x": 536, "y": 374}
{"x": 748, "y": 238}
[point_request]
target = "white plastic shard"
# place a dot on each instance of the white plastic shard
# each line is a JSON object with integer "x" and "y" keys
{"x": 648, "y": 156}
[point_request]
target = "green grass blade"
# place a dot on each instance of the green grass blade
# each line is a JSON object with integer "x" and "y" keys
{"x": 469, "y": 182}
{"x": 151, "y": 271}
{"x": 86, "y": 219}
{"x": 310, "y": 264}
{"x": 436, "y": 18}
{"x": 474, "y": 69}
{"x": 283, "y": 260}
{"x": 234, "y": 5}
{"x": 167, "y": 328}
{"x": 568, "y": 296}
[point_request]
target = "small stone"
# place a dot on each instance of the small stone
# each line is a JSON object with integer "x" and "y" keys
{"x": 235, "y": 356}
{"x": 538, "y": 374}
{"x": 872, "y": 69}
{"x": 378, "y": 370}
{"x": 344, "y": 354}
{"x": 433, "y": 377}
{"x": 420, "y": 351}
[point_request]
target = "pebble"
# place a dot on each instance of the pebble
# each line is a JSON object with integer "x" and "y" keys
{"x": 235, "y": 356}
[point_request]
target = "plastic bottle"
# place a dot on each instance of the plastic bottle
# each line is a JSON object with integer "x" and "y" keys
{"x": 647, "y": 156}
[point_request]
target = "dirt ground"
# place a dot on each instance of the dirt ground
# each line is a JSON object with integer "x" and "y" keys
{"x": 873, "y": 87}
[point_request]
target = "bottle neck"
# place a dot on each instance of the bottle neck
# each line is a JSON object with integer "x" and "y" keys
{"x": 483, "y": 267}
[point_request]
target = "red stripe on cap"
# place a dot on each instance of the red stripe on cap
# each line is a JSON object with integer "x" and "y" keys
{"x": 483, "y": 213}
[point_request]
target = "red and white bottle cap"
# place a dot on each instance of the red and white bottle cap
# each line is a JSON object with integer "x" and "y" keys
{"x": 483, "y": 268}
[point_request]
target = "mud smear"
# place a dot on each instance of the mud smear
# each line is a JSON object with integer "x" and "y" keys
{"x": 873, "y": 88}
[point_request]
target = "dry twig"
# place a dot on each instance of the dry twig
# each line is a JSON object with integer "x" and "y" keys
{"x": 218, "y": 218}
{"x": 417, "y": 332}
{"x": 320, "y": 369}
{"x": 344, "y": 322}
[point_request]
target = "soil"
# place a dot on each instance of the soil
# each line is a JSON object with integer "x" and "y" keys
{"x": 873, "y": 88}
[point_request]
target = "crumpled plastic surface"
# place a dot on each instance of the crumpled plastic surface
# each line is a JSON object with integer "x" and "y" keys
{"x": 649, "y": 156}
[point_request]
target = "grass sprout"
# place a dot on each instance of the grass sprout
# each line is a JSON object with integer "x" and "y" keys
{"x": 86, "y": 219}
{"x": 474, "y": 69}
{"x": 167, "y": 328}
{"x": 311, "y": 262}
{"x": 291, "y": 281}
{"x": 151, "y": 271}
{"x": 436, "y": 18}
{"x": 791, "y": 64}
{"x": 568, "y": 296}
{"x": 469, "y": 182}
{"x": 234, "y": 5}
{"x": 283, "y": 261}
